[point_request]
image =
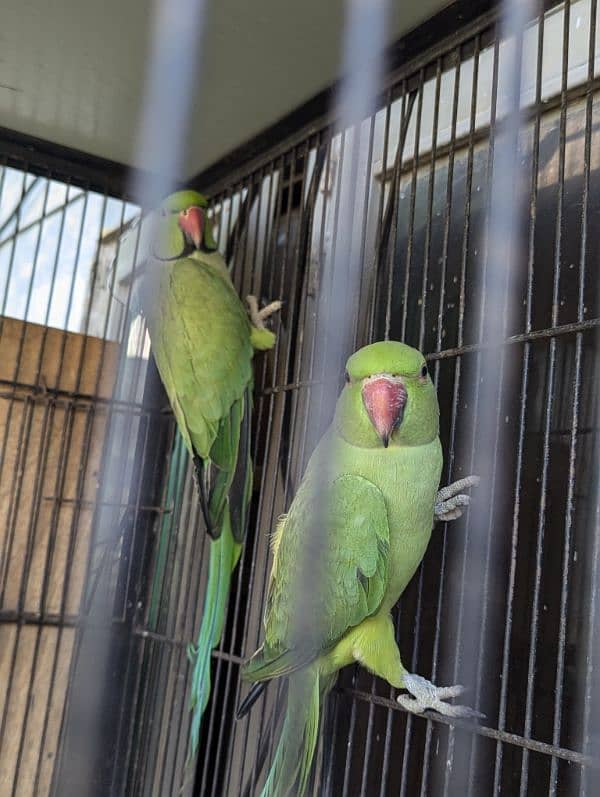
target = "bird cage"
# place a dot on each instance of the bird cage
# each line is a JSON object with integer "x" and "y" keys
{"x": 101, "y": 578}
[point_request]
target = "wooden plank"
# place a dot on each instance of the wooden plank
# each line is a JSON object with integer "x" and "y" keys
{"x": 52, "y": 441}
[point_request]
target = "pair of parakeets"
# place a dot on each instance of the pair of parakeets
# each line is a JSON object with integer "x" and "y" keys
{"x": 370, "y": 490}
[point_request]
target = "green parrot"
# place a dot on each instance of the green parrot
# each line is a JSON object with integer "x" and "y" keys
{"x": 203, "y": 342}
{"x": 371, "y": 492}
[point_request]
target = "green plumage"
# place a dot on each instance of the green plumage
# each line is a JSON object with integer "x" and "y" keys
{"x": 203, "y": 343}
{"x": 373, "y": 508}
{"x": 200, "y": 337}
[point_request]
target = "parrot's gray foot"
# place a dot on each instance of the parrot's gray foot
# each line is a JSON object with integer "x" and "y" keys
{"x": 427, "y": 696}
{"x": 449, "y": 502}
{"x": 258, "y": 316}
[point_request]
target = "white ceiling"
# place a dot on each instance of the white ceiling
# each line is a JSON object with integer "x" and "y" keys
{"x": 71, "y": 71}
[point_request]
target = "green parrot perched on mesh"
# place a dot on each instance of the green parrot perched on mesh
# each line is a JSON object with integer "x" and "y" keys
{"x": 370, "y": 492}
{"x": 203, "y": 341}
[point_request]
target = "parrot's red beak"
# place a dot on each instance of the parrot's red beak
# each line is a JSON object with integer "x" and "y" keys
{"x": 384, "y": 398}
{"x": 191, "y": 222}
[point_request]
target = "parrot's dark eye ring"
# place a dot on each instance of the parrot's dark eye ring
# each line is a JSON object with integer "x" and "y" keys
{"x": 346, "y": 377}
{"x": 424, "y": 372}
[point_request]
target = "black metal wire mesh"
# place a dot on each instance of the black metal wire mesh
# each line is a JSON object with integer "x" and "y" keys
{"x": 419, "y": 234}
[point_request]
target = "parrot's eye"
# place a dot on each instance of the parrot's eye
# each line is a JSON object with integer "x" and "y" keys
{"x": 346, "y": 377}
{"x": 424, "y": 372}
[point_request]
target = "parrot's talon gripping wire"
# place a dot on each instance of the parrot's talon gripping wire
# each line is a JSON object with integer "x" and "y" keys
{"x": 456, "y": 487}
{"x": 449, "y": 500}
{"x": 425, "y": 695}
{"x": 257, "y": 317}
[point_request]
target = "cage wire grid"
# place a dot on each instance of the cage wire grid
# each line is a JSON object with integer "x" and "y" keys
{"x": 424, "y": 166}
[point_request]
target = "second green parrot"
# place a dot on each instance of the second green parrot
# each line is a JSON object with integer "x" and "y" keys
{"x": 365, "y": 511}
{"x": 203, "y": 342}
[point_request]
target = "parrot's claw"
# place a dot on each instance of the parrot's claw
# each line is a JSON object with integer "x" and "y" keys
{"x": 258, "y": 316}
{"x": 452, "y": 508}
{"x": 427, "y": 696}
{"x": 449, "y": 502}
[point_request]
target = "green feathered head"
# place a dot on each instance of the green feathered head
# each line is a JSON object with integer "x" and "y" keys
{"x": 389, "y": 398}
{"x": 182, "y": 225}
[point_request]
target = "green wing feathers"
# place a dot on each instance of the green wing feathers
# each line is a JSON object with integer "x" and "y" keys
{"x": 201, "y": 341}
{"x": 353, "y": 576}
{"x": 354, "y": 571}
{"x": 223, "y": 455}
{"x": 230, "y": 455}
{"x": 240, "y": 490}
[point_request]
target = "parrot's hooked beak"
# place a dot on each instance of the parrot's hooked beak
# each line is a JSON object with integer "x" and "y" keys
{"x": 384, "y": 397}
{"x": 191, "y": 222}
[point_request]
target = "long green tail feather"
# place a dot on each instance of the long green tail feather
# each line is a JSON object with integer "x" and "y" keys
{"x": 224, "y": 554}
{"x": 291, "y": 767}
{"x": 231, "y": 489}
{"x": 173, "y": 501}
